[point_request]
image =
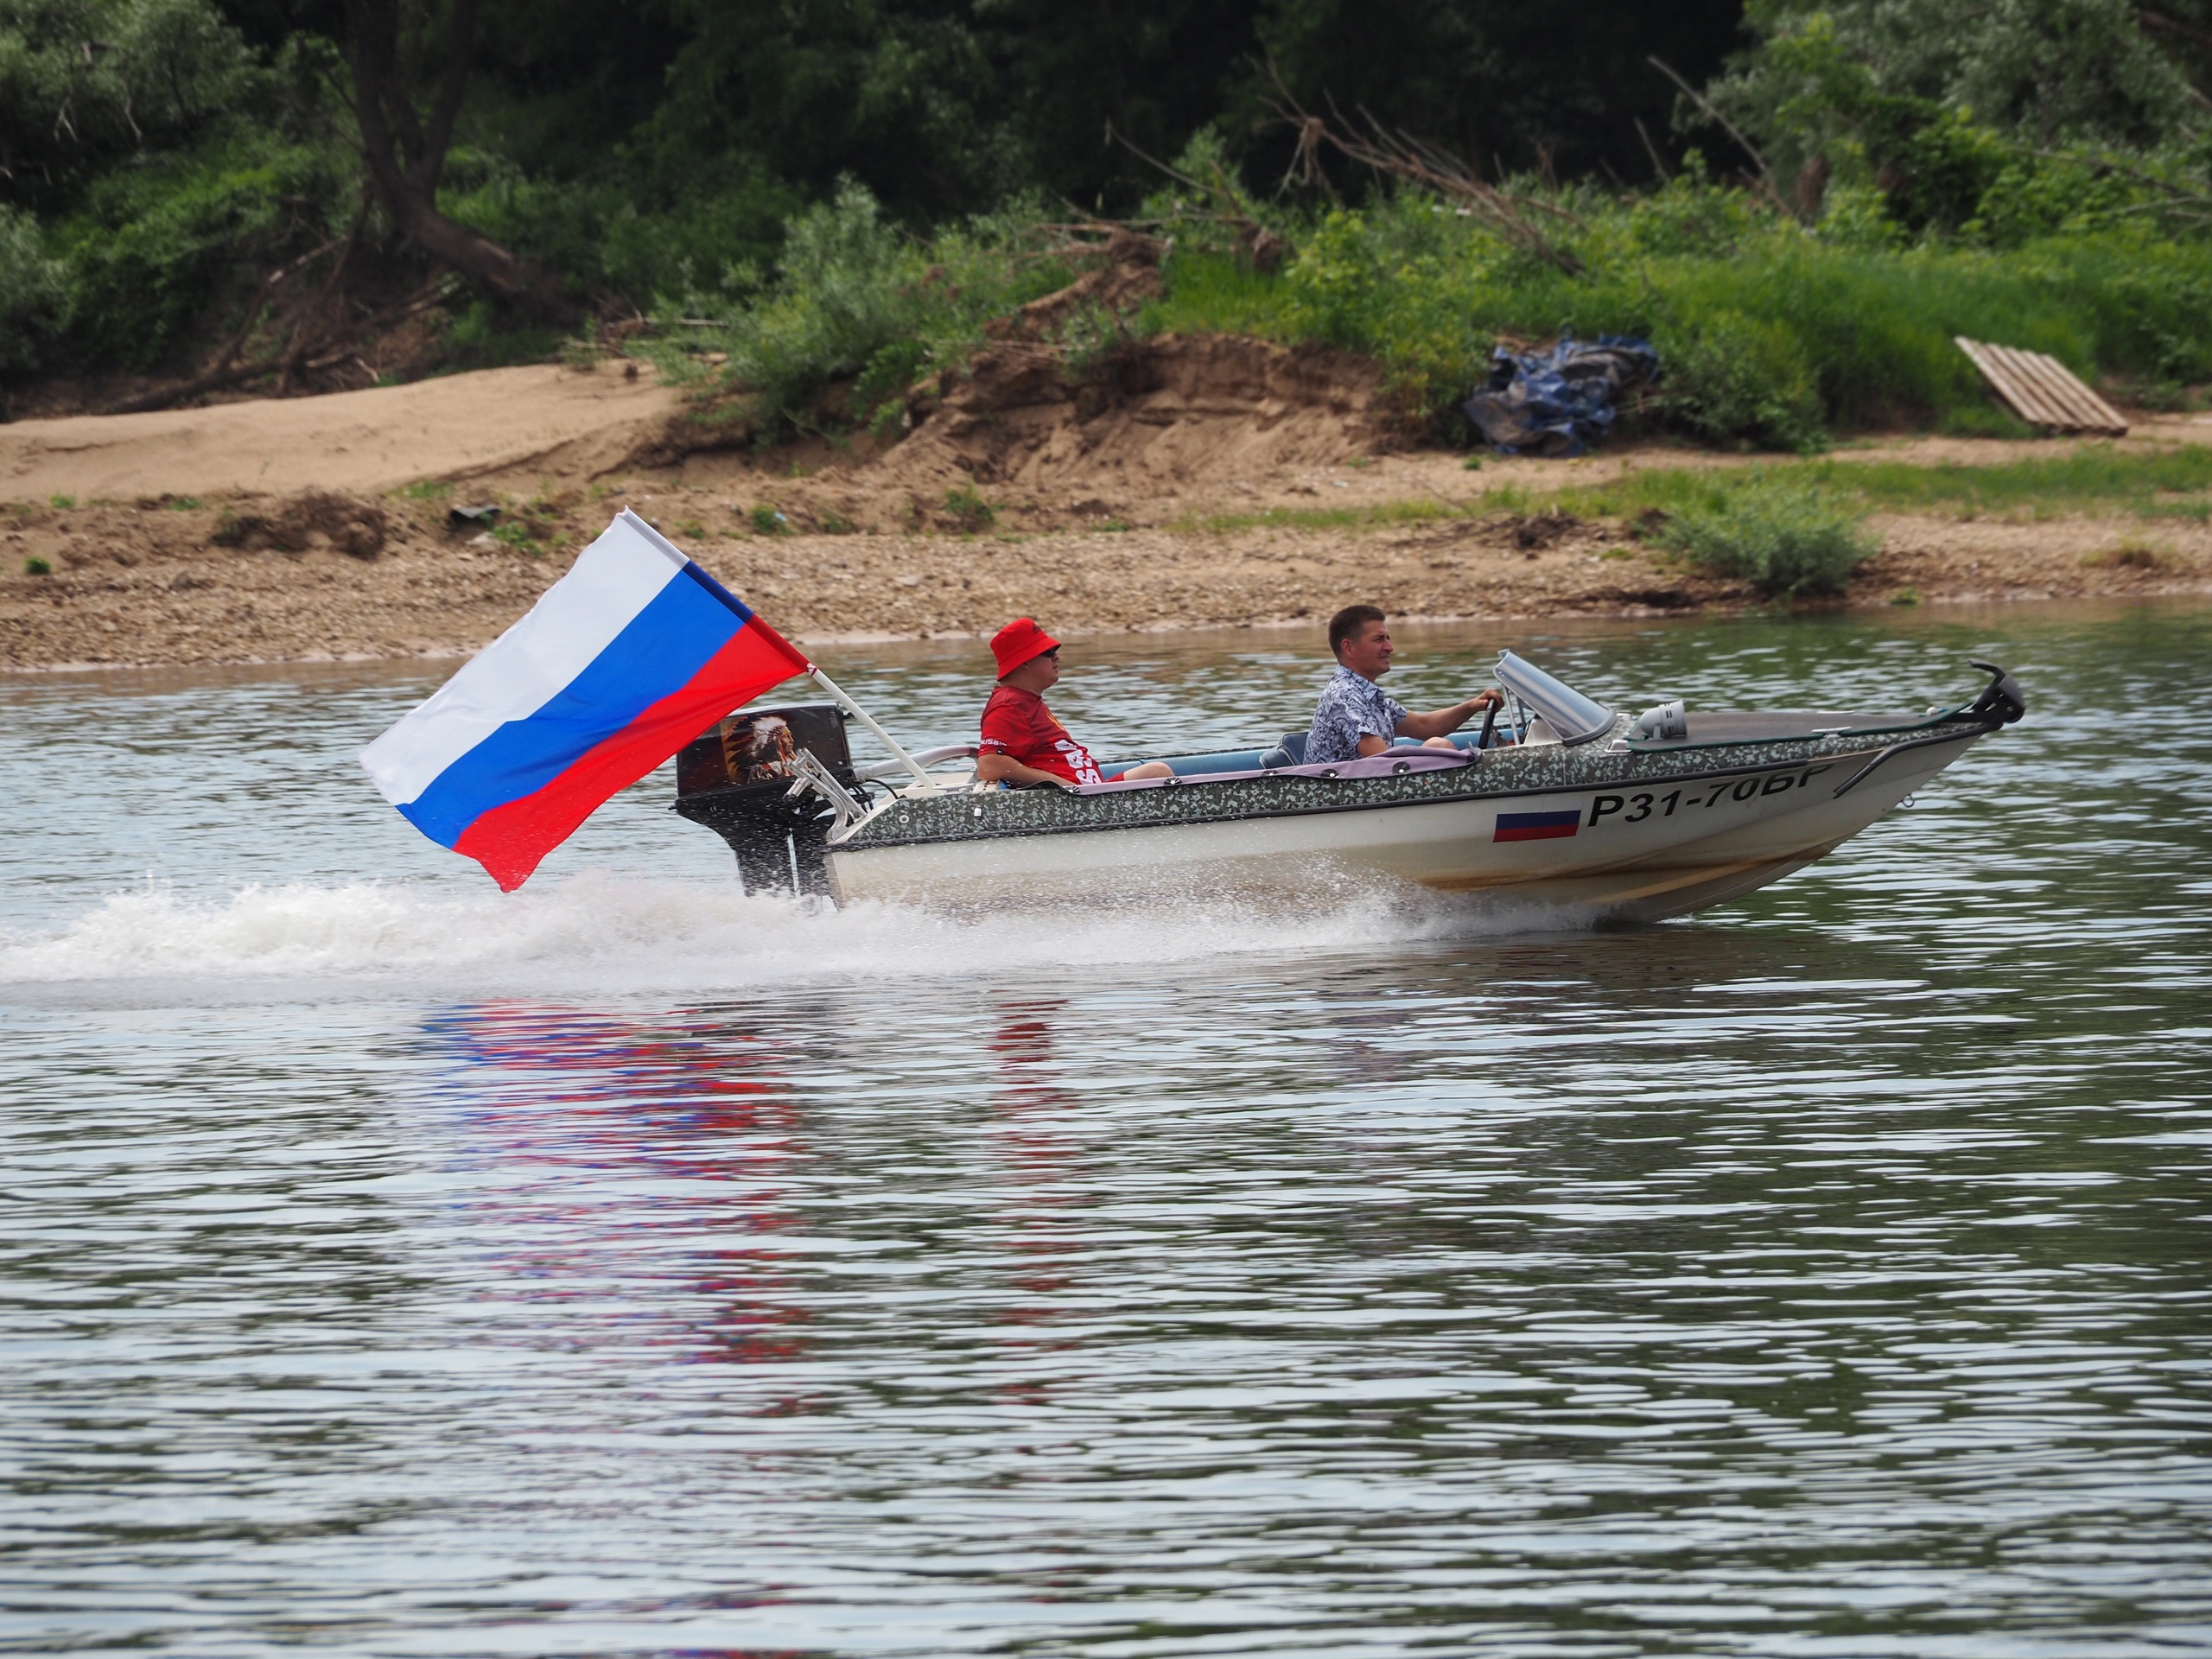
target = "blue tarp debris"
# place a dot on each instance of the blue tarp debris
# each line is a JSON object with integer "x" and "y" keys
{"x": 1556, "y": 402}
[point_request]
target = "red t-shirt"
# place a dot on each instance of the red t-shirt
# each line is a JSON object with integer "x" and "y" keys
{"x": 1016, "y": 723}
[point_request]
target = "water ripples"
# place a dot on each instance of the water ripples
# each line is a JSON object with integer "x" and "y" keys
{"x": 422, "y": 1272}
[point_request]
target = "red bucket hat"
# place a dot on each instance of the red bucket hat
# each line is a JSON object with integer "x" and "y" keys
{"x": 1019, "y": 641}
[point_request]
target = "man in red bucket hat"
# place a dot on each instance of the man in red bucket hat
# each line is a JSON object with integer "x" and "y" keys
{"x": 1022, "y": 744}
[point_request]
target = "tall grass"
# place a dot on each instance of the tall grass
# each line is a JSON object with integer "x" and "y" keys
{"x": 2175, "y": 482}
{"x": 2172, "y": 484}
{"x": 1772, "y": 337}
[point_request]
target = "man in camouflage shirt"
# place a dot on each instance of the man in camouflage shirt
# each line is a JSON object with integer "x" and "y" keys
{"x": 1355, "y": 717}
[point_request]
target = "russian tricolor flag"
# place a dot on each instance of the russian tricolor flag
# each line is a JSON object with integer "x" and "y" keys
{"x": 623, "y": 661}
{"x": 1536, "y": 826}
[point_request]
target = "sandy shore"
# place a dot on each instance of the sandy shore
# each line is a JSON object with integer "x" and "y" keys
{"x": 364, "y": 441}
{"x": 280, "y": 531}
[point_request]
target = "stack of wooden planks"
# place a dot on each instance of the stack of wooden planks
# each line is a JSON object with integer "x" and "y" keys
{"x": 2042, "y": 391}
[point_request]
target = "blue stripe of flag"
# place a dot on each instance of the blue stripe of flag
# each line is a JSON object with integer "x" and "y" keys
{"x": 697, "y": 572}
{"x": 664, "y": 644}
{"x": 1538, "y": 820}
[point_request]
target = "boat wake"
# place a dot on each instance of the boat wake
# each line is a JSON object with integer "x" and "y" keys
{"x": 593, "y": 933}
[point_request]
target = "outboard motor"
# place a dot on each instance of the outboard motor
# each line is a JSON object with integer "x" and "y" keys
{"x": 736, "y": 779}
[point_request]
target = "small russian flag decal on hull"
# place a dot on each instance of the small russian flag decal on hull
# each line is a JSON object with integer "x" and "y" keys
{"x": 1536, "y": 826}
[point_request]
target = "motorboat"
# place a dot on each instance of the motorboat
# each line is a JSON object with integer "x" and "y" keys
{"x": 1563, "y": 803}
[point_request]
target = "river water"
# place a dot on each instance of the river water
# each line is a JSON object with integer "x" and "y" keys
{"x": 629, "y": 1266}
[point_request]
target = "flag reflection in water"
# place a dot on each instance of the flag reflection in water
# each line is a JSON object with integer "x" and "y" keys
{"x": 641, "y": 1174}
{"x": 1036, "y": 1141}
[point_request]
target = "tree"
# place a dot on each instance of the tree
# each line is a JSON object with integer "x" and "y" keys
{"x": 87, "y": 83}
{"x": 389, "y": 47}
{"x": 1501, "y": 83}
{"x": 2183, "y": 28}
{"x": 1876, "y": 71}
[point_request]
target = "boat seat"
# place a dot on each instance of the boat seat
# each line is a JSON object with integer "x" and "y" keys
{"x": 1291, "y": 751}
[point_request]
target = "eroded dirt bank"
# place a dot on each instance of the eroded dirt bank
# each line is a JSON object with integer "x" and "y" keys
{"x": 1139, "y": 500}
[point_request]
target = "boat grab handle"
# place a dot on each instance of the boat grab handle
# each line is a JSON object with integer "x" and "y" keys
{"x": 924, "y": 758}
{"x": 1856, "y": 778}
{"x": 2000, "y": 704}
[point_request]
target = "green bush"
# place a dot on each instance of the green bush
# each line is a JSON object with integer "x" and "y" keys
{"x": 169, "y": 166}
{"x": 32, "y": 290}
{"x": 854, "y": 298}
{"x": 1733, "y": 378}
{"x": 968, "y": 508}
{"x": 1940, "y": 107}
{"x": 606, "y": 237}
{"x": 153, "y": 247}
{"x": 85, "y": 85}
{"x": 1784, "y": 535}
{"x": 482, "y": 336}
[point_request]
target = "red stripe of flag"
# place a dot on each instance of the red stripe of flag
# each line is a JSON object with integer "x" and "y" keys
{"x": 1536, "y": 826}
{"x": 511, "y": 840}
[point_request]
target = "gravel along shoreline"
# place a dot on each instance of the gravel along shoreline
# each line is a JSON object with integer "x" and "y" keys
{"x": 329, "y": 577}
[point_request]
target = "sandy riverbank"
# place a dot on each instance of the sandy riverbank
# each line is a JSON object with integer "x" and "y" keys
{"x": 283, "y": 531}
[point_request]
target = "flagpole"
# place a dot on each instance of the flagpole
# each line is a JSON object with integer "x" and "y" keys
{"x": 862, "y": 715}
{"x": 731, "y": 600}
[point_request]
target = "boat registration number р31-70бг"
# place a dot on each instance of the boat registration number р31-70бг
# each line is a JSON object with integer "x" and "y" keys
{"x": 1641, "y": 805}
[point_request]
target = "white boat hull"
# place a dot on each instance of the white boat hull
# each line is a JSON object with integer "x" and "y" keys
{"x": 1632, "y": 854}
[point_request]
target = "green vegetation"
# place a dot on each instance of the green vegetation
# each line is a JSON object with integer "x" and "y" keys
{"x": 1770, "y": 332}
{"x": 1774, "y": 333}
{"x": 813, "y": 210}
{"x": 34, "y": 566}
{"x": 1781, "y": 532}
{"x": 969, "y": 509}
{"x": 854, "y": 299}
{"x": 62, "y": 501}
{"x": 33, "y": 286}
{"x": 516, "y": 534}
{"x": 2175, "y": 483}
{"x": 767, "y": 521}
{"x": 1379, "y": 515}
{"x": 1768, "y": 505}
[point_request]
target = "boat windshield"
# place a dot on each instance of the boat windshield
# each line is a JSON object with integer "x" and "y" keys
{"x": 1565, "y": 710}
